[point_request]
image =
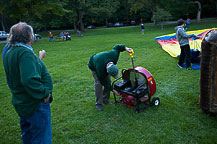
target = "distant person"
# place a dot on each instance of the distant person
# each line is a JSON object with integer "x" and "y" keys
{"x": 79, "y": 33}
{"x": 62, "y": 35}
{"x": 182, "y": 38}
{"x": 188, "y": 21}
{"x": 30, "y": 84}
{"x": 142, "y": 28}
{"x": 103, "y": 66}
{"x": 50, "y": 37}
{"x": 68, "y": 37}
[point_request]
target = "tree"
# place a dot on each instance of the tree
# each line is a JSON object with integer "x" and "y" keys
{"x": 177, "y": 8}
{"x": 216, "y": 7}
{"x": 2, "y": 16}
{"x": 137, "y": 5}
{"x": 79, "y": 13}
{"x": 102, "y": 10}
{"x": 78, "y": 7}
{"x": 30, "y": 11}
{"x": 142, "y": 8}
{"x": 35, "y": 9}
{"x": 161, "y": 15}
{"x": 198, "y": 10}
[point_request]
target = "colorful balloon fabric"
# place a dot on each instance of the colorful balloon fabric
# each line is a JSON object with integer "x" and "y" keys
{"x": 170, "y": 44}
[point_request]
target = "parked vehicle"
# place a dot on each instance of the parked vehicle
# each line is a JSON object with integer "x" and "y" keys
{"x": 3, "y": 35}
{"x": 133, "y": 22}
{"x": 126, "y": 23}
{"x": 37, "y": 36}
{"x": 118, "y": 24}
{"x": 110, "y": 24}
{"x": 91, "y": 27}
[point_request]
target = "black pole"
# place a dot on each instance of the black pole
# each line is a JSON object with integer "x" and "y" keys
{"x": 136, "y": 81}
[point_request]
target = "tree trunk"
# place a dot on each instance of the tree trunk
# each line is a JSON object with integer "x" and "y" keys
{"x": 80, "y": 20}
{"x": 152, "y": 9}
{"x": 82, "y": 24}
{"x": 198, "y": 11}
{"x": 106, "y": 21}
{"x": 2, "y": 22}
{"x": 29, "y": 11}
{"x": 216, "y": 7}
{"x": 75, "y": 26}
{"x": 152, "y": 6}
{"x": 3, "y": 27}
{"x": 162, "y": 27}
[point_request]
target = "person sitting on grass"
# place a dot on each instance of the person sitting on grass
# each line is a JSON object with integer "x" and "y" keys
{"x": 68, "y": 37}
{"x": 62, "y": 36}
{"x": 103, "y": 66}
{"x": 182, "y": 38}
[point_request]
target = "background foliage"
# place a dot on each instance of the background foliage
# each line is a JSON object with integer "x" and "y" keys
{"x": 77, "y": 14}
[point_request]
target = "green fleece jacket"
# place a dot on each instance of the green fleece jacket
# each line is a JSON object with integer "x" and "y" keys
{"x": 99, "y": 61}
{"x": 30, "y": 82}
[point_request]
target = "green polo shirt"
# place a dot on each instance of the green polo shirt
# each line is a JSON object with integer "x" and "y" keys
{"x": 29, "y": 80}
{"x": 99, "y": 61}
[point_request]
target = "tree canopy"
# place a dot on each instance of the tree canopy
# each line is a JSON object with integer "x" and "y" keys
{"x": 77, "y": 14}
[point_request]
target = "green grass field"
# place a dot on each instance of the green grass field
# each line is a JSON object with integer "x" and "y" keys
{"x": 178, "y": 119}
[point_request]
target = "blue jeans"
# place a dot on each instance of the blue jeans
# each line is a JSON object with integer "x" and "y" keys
{"x": 51, "y": 39}
{"x": 36, "y": 129}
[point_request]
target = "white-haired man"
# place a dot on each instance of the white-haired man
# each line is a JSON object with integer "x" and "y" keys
{"x": 30, "y": 84}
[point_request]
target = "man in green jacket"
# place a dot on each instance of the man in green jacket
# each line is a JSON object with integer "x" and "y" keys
{"x": 103, "y": 66}
{"x": 30, "y": 84}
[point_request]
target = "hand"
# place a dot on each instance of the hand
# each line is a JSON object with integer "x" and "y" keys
{"x": 128, "y": 49}
{"x": 116, "y": 92}
{"x": 47, "y": 98}
{"x": 42, "y": 54}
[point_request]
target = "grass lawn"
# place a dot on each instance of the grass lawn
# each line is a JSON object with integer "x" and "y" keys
{"x": 178, "y": 119}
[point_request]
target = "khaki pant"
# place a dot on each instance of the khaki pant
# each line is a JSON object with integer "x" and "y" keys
{"x": 101, "y": 93}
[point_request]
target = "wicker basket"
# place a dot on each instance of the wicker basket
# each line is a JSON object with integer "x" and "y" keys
{"x": 208, "y": 73}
